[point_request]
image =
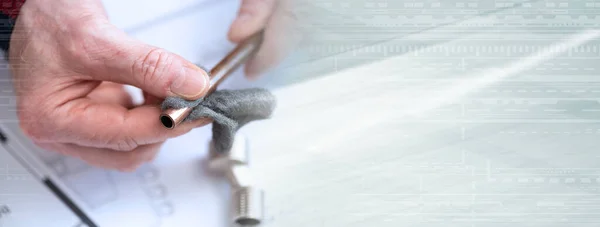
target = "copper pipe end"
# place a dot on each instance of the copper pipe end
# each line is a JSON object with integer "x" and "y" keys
{"x": 173, "y": 117}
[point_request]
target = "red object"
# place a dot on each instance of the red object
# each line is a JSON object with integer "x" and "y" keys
{"x": 11, "y": 7}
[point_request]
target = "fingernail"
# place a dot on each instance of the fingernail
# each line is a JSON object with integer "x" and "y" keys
{"x": 191, "y": 83}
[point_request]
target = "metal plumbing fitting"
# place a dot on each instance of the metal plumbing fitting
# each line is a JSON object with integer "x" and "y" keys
{"x": 247, "y": 199}
{"x": 248, "y": 205}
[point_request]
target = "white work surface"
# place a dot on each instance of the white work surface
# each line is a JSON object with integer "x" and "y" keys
{"x": 492, "y": 122}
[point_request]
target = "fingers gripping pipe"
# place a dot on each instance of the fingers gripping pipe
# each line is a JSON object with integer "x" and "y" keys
{"x": 170, "y": 118}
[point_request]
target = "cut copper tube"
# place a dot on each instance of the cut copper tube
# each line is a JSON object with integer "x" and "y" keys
{"x": 170, "y": 118}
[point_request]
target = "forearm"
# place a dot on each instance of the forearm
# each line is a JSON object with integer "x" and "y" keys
{"x": 9, "y": 10}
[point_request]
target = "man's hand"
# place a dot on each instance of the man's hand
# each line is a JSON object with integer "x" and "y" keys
{"x": 280, "y": 37}
{"x": 68, "y": 65}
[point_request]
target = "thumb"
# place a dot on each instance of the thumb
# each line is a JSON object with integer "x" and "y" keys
{"x": 252, "y": 17}
{"x": 154, "y": 70}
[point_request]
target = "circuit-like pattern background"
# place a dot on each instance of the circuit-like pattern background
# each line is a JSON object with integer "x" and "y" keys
{"x": 440, "y": 113}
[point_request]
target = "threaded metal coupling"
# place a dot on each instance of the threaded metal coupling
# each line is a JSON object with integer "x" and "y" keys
{"x": 248, "y": 204}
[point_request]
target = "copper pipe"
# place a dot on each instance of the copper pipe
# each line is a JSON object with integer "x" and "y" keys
{"x": 172, "y": 117}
